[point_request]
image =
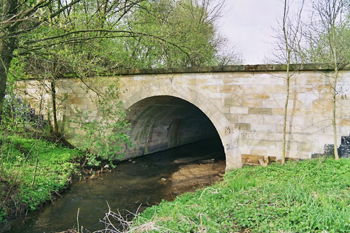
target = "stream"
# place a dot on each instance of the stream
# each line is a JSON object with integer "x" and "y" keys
{"x": 132, "y": 186}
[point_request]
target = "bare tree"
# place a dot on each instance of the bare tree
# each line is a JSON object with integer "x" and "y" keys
{"x": 288, "y": 43}
{"x": 328, "y": 42}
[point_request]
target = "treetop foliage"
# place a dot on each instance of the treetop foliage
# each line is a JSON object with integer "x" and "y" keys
{"x": 60, "y": 35}
{"x": 55, "y": 38}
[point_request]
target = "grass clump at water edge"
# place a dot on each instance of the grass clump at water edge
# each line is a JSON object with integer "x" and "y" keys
{"x": 31, "y": 170}
{"x": 306, "y": 196}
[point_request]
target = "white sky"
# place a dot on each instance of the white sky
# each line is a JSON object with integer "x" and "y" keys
{"x": 248, "y": 26}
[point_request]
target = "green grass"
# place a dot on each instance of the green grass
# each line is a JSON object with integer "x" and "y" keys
{"x": 307, "y": 196}
{"x": 30, "y": 171}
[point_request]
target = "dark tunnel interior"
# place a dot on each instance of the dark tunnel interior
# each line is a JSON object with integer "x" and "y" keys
{"x": 162, "y": 122}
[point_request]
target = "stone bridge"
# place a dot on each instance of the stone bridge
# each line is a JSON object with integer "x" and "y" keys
{"x": 243, "y": 105}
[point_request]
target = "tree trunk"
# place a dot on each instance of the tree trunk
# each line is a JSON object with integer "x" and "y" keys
{"x": 6, "y": 50}
{"x": 54, "y": 108}
{"x": 336, "y": 156}
{"x": 285, "y": 115}
{"x": 335, "y": 83}
{"x": 7, "y": 46}
{"x": 288, "y": 51}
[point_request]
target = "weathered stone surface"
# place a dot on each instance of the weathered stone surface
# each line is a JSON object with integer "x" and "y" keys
{"x": 236, "y": 101}
{"x": 242, "y": 126}
{"x": 239, "y": 110}
{"x": 257, "y": 103}
{"x": 264, "y": 111}
{"x": 243, "y": 104}
{"x": 260, "y": 96}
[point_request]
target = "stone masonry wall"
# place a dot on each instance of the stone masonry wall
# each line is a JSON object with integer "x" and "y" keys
{"x": 244, "y": 103}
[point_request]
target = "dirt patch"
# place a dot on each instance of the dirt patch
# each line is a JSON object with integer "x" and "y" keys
{"x": 193, "y": 176}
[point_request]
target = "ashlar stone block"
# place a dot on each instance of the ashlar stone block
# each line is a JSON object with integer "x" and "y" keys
{"x": 263, "y": 111}
{"x": 239, "y": 110}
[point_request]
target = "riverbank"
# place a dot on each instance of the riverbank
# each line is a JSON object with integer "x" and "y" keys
{"x": 305, "y": 196}
{"x": 133, "y": 186}
{"x": 32, "y": 172}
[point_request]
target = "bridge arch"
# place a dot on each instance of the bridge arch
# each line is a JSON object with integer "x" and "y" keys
{"x": 244, "y": 103}
{"x": 151, "y": 101}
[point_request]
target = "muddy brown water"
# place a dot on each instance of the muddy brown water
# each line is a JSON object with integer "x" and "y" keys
{"x": 133, "y": 185}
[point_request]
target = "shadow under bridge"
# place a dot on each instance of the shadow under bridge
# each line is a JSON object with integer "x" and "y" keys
{"x": 162, "y": 122}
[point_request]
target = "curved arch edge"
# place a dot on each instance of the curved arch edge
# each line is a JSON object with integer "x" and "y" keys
{"x": 228, "y": 134}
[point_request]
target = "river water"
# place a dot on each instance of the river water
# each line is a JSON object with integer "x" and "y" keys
{"x": 133, "y": 185}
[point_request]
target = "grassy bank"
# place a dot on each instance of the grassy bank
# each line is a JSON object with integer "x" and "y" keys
{"x": 31, "y": 171}
{"x": 307, "y": 196}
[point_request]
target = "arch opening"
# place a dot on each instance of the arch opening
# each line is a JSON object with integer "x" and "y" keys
{"x": 162, "y": 122}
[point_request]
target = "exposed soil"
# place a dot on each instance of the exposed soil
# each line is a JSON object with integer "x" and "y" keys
{"x": 190, "y": 177}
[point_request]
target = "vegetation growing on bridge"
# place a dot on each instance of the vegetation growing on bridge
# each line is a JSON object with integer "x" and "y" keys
{"x": 103, "y": 137}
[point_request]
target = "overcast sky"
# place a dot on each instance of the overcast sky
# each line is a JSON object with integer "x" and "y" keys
{"x": 247, "y": 24}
